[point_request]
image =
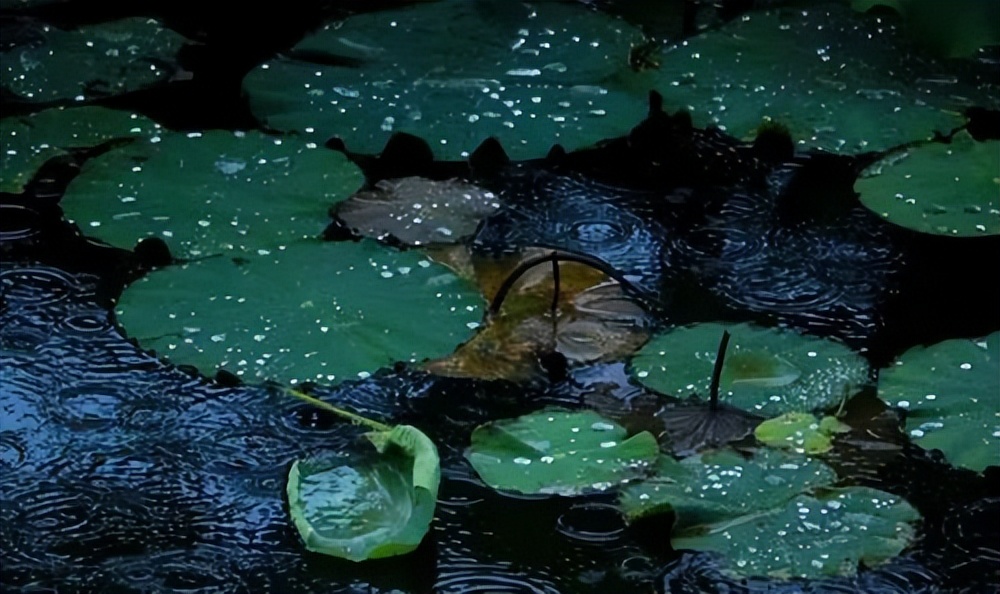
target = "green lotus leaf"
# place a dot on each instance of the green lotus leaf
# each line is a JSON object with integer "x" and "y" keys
{"x": 210, "y": 193}
{"x": 311, "y": 311}
{"x": 954, "y": 29}
{"x": 418, "y": 211}
{"x": 951, "y": 392}
{"x": 91, "y": 60}
{"x": 367, "y": 507}
{"x": 723, "y": 485}
{"x": 516, "y": 77}
{"x": 810, "y": 536}
{"x": 26, "y": 142}
{"x": 800, "y": 432}
{"x": 787, "y": 65}
{"x": 766, "y": 371}
{"x": 559, "y": 452}
{"x": 947, "y": 189}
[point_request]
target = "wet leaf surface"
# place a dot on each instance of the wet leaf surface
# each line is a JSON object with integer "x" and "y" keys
{"x": 949, "y": 394}
{"x": 802, "y": 433}
{"x": 556, "y": 452}
{"x": 767, "y": 371}
{"x": 335, "y": 312}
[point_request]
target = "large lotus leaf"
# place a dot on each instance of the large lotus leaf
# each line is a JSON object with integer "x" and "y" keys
{"x": 951, "y": 392}
{"x": 948, "y": 189}
{"x": 210, "y": 193}
{"x": 722, "y": 486}
{"x": 827, "y": 534}
{"x": 91, "y": 61}
{"x": 28, "y": 141}
{"x": 516, "y": 76}
{"x": 804, "y": 68}
{"x": 418, "y": 211}
{"x": 310, "y": 311}
{"x": 767, "y": 371}
{"x": 800, "y": 432}
{"x": 559, "y": 452}
{"x": 359, "y": 509}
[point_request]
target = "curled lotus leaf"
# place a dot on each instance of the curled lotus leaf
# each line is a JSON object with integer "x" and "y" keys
{"x": 367, "y": 506}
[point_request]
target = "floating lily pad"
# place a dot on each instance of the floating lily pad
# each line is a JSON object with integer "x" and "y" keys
{"x": 210, "y": 193}
{"x": 947, "y": 189}
{"x": 559, "y": 452}
{"x": 951, "y": 392}
{"x": 516, "y": 77}
{"x": 767, "y": 371}
{"x": 311, "y": 311}
{"x": 723, "y": 485}
{"x": 28, "y": 141}
{"x": 800, "y": 432}
{"x": 788, "y": 65}
{"x": 830, "y": 533}
{"x": 954, "y": 29}
{"x": 92, "y": 60}
{"x": 772, "y": 515}
{"x": 361, "y": 508}
{"x": 418, "y": 211}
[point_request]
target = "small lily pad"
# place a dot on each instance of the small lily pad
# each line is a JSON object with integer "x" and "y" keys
{"x": 767, "y": 371}
{"x": 951, "y": 394}
{"x": 92, "y": 60}
{"x": 516, "y": 76}
{"x": 210, "y": 193}
{"x": 800, "y": 432}
{"x": 946, "y": 189}
{"x": 558, "y": 452}
{"x": 28, "y": 141}
{"x": 312, "y": 311}
{"x": 367, "y": 507}
{"x": 723, "y": 485}
{"x": 418, "y": 211}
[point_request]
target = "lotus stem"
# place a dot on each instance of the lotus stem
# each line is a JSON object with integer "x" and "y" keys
{"x": 554, "y": 257}
{"x": 555, "y": 285}
{"x": 352, "y": 417}
{"x": 720, "y": 358}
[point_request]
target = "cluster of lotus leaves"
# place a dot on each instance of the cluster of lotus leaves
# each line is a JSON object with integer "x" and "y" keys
{"x": 773, "y": 513}
{"x": 361, "y": 507}
{"x": 949, "y": 391}
{"x": 256, "y": 293}
{"x": 767, "y": 371}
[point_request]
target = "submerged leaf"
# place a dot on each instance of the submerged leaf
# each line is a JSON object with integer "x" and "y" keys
{"x": 313, "y": 311}
{"x": 559, "y": 452}
{"x": 694, "y": 425}
{"x": 767, "y": 371}
{"x": 367, "y": 507}
{"x": 800, "y": 432}
{"x": 951, "y": 394}
{"x": 947, "y": 189}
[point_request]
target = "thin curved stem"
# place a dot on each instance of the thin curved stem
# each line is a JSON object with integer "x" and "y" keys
{"x": 352, "y": 417}
{"x": 720, "y": 358}
{"x": 555, "y": 285}
{"x": 554, "y": 257}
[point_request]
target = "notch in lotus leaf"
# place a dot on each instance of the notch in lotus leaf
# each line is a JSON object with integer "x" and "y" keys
{"x": 366, "y": 505}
